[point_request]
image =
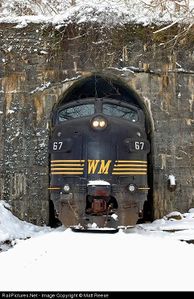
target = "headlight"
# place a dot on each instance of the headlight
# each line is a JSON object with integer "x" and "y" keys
{"x": 131, "y": 188}
{"x": 66, "y": 188}
{"x": 99, "y": 122}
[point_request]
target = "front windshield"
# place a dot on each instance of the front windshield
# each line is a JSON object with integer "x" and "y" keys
{"x": 76, "y": 112}
{"x": 120, "y": 111}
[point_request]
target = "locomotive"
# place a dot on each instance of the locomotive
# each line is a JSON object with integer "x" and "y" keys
{"x": 98, "y": 163}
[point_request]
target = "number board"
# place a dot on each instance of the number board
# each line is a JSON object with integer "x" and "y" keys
{"x": 60, "y": 146}
{"x": 139, "y": 145}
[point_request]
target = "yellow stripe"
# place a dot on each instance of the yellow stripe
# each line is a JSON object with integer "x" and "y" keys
{"x": 130, "y": 161}
{"x": 138, "y": 173}
{"x": 54, "y": 188}
{"x": 130, "y": 165}
{"x": 118, "y": 169}
{"x": 66, "y": 161}
{"x": 146, "y": 188}
{"x": 66, "y": 173}
{"x": 65, "y": 168}
{"x": 79, "y": 165}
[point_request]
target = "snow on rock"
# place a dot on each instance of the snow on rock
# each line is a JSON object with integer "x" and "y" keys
{"x": 10, "y": 111}
{"x": 114, "y": 216}
{"x": 110, "y": 12}
{"x": 12, "y": 228}
{"x": 172, "y": 180}
{"x": 174, "y": 215}
{"x": 174, "y": 221}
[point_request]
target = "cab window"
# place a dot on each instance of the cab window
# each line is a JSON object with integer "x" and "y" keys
{"x": 76, "y": 112}
{"x": 120, "y": 111}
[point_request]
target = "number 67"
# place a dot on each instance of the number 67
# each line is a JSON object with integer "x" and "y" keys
{"x": 139, "y": 145}
{"x": 57, "y": 145}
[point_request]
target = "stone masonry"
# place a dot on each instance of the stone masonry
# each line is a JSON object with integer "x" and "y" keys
{"x": 39, "y": 62}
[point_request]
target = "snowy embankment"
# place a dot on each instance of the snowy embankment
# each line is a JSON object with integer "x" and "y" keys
{"x": 11, "y": 228}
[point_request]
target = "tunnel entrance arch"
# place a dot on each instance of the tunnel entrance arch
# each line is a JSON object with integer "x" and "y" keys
{"x": 100, "y": 86}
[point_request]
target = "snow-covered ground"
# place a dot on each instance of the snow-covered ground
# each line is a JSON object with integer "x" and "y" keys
{"x": 145, "y": 258}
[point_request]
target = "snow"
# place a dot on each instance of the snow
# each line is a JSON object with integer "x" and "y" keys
{"x": 172, "y": 180}
{"x": 108, "y": 12}
{"x": 41, "y": 88}
{"x": 98, "y": 183}
{"x": 12, "y": 228}
{"x": 143, "y": 258}
{"x": 10, "y": 111}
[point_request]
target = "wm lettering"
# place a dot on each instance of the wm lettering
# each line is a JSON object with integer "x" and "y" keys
{"x": 98, "y": 166}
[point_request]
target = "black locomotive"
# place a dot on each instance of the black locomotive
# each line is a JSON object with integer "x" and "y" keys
{"x": 98, "y": 162}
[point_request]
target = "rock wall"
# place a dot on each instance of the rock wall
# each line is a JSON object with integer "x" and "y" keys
{"x": 39, "y": 62}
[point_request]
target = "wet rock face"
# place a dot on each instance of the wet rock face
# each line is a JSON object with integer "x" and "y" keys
{"x": 39, "y": 63}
